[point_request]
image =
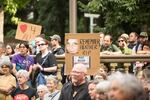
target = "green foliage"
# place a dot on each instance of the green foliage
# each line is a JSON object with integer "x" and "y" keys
{"x": 53, "y": 15}
{"x": 11, "y": 7}
{"x": 11, "y": 33}
{"x": 118, "y": 13}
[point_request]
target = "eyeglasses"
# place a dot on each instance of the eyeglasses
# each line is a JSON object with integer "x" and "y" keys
{"x": 120, "y": 40}
{"x": 41, "y": 44}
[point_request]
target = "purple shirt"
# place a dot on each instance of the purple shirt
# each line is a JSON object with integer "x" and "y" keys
{"x": 22, "y": 62}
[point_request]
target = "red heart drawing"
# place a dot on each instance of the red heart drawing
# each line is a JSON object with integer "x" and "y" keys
{"x": 23, "y": 27}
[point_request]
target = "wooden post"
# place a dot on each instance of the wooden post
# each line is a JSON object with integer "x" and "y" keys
{"x": 72, "y": 16}
{"x": 1, "y": 24}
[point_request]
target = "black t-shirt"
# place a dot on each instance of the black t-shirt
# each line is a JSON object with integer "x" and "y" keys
{"x": 58, "y": 51}
{"x": 26, "y": 94}
{"x": 48, "y": 61}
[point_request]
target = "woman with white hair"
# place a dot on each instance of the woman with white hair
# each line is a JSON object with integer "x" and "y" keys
{"x": 126, "y": 87}
{"x": 102, "y": 89}
{"x": 41, "y": 90}
{"x": 52, "y": 84}
{"x": 8, "y": 81}
{"x": 23, "y": 91}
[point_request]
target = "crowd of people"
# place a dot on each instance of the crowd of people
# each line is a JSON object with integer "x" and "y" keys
{"x": 29, "y": 72}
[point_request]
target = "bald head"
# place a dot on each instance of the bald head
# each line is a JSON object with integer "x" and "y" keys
{"x": 80, "y": 68}
{"x": 78, "y": 74}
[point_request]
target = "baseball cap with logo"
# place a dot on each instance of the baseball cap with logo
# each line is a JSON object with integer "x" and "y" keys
{"x": 56, "y": 37}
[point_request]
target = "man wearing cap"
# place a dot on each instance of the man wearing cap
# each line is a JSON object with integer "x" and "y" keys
{"x": 143, "y": 37}
{"x": 58, "y": 50}
{"x": 77, "y": 89}
{"x": 8, "y": 81}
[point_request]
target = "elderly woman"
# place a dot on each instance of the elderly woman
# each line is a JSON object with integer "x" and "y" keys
{"x": 125, "y": 87}
{"x": 102, "y": 89}
{"x": 8, "y": 81}
{"x": 23, "y": 91}
{"x": 41, "y": 90}
{"x": 52, "y": 84}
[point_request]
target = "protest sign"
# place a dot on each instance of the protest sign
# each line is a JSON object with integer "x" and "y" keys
{"x": 27, "y": 31}
{"x": 82, "y": 48}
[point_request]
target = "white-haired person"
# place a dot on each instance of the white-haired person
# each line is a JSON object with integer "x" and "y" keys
{"x": 8, "y": 81}
{"x": 41, "y": 91}
{"x": 102, "y": 89}
{"x": 126, "y": 87}
{"x": 77, "y": 89}
{"x": 52, "y": 83}
{"x": 23, "y": 91}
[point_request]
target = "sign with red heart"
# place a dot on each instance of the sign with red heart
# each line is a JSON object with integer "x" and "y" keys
{"x": 23, "y": 27}
{"x": 27, "y": 31}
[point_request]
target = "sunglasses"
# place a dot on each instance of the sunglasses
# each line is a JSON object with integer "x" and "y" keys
{"x": 41, "y": 44}
{"x": 40, "y": 91}
{"x": 120, "y": 40}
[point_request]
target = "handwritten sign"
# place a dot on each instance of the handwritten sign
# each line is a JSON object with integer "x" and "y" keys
{"x": 82, "y": 48}
{"x": 27, "y": 31}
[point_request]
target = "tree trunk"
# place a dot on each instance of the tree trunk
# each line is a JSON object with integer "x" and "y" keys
{"x": 1, "y": 24}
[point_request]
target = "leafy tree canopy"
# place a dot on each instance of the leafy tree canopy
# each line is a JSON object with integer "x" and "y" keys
{"x": 119, "y": 15}
{"x": 11, "y": 7}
